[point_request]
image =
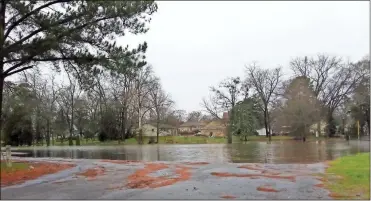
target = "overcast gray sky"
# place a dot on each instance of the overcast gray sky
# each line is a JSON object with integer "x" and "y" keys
{"x": 194, "y": 45}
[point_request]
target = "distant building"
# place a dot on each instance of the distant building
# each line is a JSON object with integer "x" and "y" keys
{"x": 191, "y": 126}
{"x": 261, "y": 132}
{"x": 313, "y": 128}
{"x": 165, "y": 130}
{"x": 215, "y": 128}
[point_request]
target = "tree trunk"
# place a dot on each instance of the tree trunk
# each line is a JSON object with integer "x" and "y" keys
{"x": 158, "y": 128}
{"x": 231, "y": 121}
{"x": 266, "y": 124}
{"x": 319, "y": 128}
{"x": 48, "y": 132}
{"x": 70, "y": 142}
{"x": 2, "y": 76}
{"x": 37, "y": 129}
{"x": 52, "y": 136}
{"x": 140, "y": 126}
{"x": 330, "y": 125}
{"x": 1, "y": 100}
{"x": 368, "y": 121}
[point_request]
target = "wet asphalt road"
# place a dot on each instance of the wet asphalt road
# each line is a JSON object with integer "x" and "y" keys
{"x": 206, "y": 181}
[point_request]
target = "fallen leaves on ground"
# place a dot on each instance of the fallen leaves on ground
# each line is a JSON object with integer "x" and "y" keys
{"x": 226, "y": 174}
{"x": 141, "y": 178}
{"x": 92, "y": 173}
{"x": 38, "y": 169}
{"x": 320, "y": 185}
{"x": 228, "y": 197}
{"x": 340, "y": 196}
{"x": 120, "y": 161}
{"x": 196, "y": 163}
{"x": 267, "y": 188}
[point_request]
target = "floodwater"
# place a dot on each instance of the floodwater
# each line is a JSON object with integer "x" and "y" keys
{"x": 277, "y": 152}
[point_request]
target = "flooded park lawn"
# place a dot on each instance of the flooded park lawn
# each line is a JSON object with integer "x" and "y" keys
{"x": 278, "y": 152}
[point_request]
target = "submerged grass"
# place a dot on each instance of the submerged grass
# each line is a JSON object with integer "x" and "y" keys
{"x": 16, "y": 166}
{"x": 353, "y": 177}
{"x": 23, "y": 171}
{"x": 170, "y": 140}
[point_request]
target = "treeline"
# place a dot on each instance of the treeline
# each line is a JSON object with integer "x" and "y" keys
{"x": 39, "y": 108}
{"x": 323, "y": 90}
{"x": 110, "y": 89}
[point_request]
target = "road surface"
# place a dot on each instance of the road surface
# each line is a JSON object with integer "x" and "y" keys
{"x": 172, "y": 180}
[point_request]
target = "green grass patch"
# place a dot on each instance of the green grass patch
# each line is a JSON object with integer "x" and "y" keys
{"x": 354, "y": 176}
{"x": 264, "y": 138}
{"x": 15, "y": 166}
{"x": 165, "y": 140}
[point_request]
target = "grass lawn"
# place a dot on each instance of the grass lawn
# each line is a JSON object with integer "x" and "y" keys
{"x": 355, "y": 176}
{"x": 172, "y": 140}
{"x": 169, "y": 140}
{"x": 162, "y": 140}
{"x": 15, "y": 166}
{"x": 264, "y": 138}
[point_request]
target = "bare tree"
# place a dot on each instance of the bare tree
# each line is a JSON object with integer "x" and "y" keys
{"x": 123, "y": 86}
{"x": 175, "y": 117}
{"x": 264, "y": 83}
{"x": 35, "y": 81}
{"x": 194, "y": 116}
{"x": 68, "y": 96}
{"x": 50, "y": 97}
{"x": 211, "y": 107}
{"x": 159, "y": 101}
{"x": 224, "y": 98}
{"x": 332, "y": 81}
{"x": 142, "y": 86}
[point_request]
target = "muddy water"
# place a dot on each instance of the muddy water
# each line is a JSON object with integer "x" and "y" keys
{"x": 250, "y": 152}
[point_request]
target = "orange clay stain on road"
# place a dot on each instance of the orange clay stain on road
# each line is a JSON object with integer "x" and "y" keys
{"x": 251, "y": 167}
{"x": 228, "y": 197}
{"x": 92, "y": 173}
{"x": 115, "y": 187}
{"x": 225, "y": 174}
{"x": 322, "y": 179}
{"x": 320, "y": 185}
{"x": 196, "y": 163}
{"x": 39, "y": 169}
{"x": 120, "y": 161}
{"x": 339, "y": 196}
{"x": 259, "y": 168}
{"x": 141, "y": 178}
{"x": 267, "y": 189}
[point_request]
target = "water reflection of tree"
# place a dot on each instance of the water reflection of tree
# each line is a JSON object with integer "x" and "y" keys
{"x": 247, "y": 152}
{"x": 296, "y": 152}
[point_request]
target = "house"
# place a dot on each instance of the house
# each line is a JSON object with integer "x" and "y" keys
{"x": 313, "y": 128}
{"x": 165, "y": 130}
{"x": 216, "y": 128}
{"x": 189, "y": 127}
{"x": 261, "y": 132}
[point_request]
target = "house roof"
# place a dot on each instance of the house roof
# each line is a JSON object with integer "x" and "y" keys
{"x": 163, "y": 126}
{"x": 192, "y": 124}
{"x": 214, "y": 125}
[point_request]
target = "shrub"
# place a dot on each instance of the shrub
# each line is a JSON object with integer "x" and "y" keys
{"x": 102, "y": 136}
{"x": 77, "y": 141}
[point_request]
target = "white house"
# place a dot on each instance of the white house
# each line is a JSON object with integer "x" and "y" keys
{"x": 261, "y": 131}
